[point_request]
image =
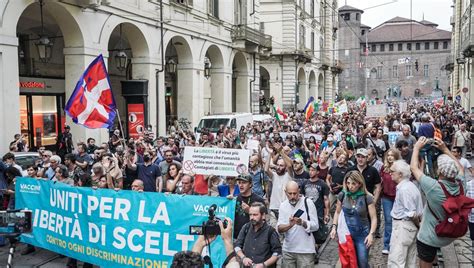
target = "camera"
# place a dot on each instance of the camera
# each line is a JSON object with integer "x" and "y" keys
{"x": 209, "y": 227}
{"x": 15, "y": 222}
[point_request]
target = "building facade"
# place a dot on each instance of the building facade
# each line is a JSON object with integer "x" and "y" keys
{"x": 167, "y": 59}
{"x": 461, "y": 61}
{"x": 303, "y": 60}
{"x": 399, "y": 58}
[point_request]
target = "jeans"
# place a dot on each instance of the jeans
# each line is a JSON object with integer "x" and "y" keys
{"x": 387, "y": 205}
{"x": 428, "y": 155}
{"x": 359, "y": 231}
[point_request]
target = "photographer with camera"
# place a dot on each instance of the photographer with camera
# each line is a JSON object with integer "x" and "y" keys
{"x": 193, "y": 258}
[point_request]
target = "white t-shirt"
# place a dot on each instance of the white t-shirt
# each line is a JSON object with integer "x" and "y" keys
{"x": 278, "y": 189}
{"x": 298, "y": 239}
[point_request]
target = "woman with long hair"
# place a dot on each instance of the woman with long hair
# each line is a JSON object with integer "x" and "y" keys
{"x": 357, "y": 205}
{"x": 173, "y": 178}
{"x": 389, "y": 189}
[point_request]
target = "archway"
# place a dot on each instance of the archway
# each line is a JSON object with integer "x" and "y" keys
{"x": 321, "y": 87}
{"x": 313, "y": 87}
{"x": 264, "y": 90}
{"x": 214, "y": 95}
{"x": 240, "y": 84}
{"x": 38, "y": 66}
{"x": 301, "y": 89}
{"x": 178, "y": 81}
{"x": 126, "y": 44}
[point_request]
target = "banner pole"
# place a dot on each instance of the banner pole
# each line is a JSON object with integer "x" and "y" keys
{"x": 121, "y": 128}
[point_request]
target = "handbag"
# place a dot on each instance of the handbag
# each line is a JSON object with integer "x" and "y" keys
{"x": 321, "y": 235}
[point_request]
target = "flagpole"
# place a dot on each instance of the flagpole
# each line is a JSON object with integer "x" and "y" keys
{"x": 121, "y": 128}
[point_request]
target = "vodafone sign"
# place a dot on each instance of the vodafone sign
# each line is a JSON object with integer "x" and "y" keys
{"x": 32, "y": 84}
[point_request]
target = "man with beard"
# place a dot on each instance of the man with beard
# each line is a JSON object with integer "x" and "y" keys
{"x": 406, "y": 135}
{"x": 244, "y": 200}
{"x": 298, "y": 245}
{"x": 373, "y": 141}
{"x": 279, "y": 177}
{"x": 300, "y": 175}
{"x": 169, "y": 159}
{"x": 258, "y": 244}
{"x": 335, "y": 179}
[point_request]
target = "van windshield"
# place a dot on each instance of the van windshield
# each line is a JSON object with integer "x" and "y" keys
{"x": 212, "y": 124}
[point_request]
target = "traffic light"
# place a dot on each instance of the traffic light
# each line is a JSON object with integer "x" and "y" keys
{"x": 416, "y": 65}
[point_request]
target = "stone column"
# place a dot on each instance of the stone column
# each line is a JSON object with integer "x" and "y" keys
{"x": 9, "y": 91}
{"x": 221, "y": 90}
{"x": 190, "y": 92}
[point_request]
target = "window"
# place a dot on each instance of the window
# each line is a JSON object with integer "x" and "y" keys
{"x": 408, "y": 46}
{"x": 427, "y": 45}
{"x": 408, "y": 71}
{"x": 302, "y": 37}
{"x": 436, "y": 44}
{"x": 357, "y": 16}
{"x": 312, "y": 42}
{"x": 445, "y": 45}
{"x": 321, "y": 47}
{"x": 426, "y": 72}
{"x": 311, "y": 6}
{"x": 213, "y": 8}
{"x": 184, "y": 2}
{"x": 362, "y": 32}
{"x": 382, "y": 48}
{"x": 417, "y": 46}
{"x": 390, "y": 47}
{"x": 379, "y": 72}
{"x": 400, "y": 47}
{"x": 395, "y": 71}
{"x": 346, "y": 16}
{"x": 374, "y": 48}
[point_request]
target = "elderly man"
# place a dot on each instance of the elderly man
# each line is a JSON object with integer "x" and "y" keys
{"x": 137, "y": 185}
{"x": 462, "y": 138}
{"x": 449, "y": 169}
{"x": 406, "y": 213}
{"x": 298, "y": 245}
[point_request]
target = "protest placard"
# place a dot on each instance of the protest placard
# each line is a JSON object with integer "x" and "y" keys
{"x": 392, "y": 137}
{"x": 376, "y": 110}
{"x": 116, "y": 228}
{"x": 215, "y": 161}
{"x": 403, "y": 106}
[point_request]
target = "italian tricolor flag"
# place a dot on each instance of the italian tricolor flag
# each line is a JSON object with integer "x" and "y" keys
{"x": 279, "y": 114}
{"x": 347, "y": 254}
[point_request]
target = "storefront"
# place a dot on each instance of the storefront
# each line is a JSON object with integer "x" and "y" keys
{"x": 42, "y": 115}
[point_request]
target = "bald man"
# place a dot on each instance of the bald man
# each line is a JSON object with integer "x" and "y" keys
{"x": 298, "y": 246}
{"x": 137, "y": 185}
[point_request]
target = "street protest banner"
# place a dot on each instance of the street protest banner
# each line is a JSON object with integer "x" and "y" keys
{"x": 392, "y": 137}
{"x": 376, "y": 110}
{"x": 215, "y": 161}
{"x": 116, "y": 228}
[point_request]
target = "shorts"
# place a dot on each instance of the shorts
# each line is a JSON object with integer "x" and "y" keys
{"x": 425, "y": 252}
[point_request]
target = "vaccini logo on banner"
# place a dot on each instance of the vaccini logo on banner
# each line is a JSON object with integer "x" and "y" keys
{"x": 203, "y": 210}
{"x": 28, "y": 188}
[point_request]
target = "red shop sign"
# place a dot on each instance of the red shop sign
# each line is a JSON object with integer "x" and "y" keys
{"x": 32, "y": 84}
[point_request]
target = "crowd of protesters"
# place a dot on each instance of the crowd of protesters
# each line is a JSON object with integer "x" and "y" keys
{"x": 304, "y": 176}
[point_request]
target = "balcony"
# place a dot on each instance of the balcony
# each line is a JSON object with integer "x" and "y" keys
{"x": 250, "y": 39}
{"x": 449, "y": 64}
{"x": 467, "y": 34}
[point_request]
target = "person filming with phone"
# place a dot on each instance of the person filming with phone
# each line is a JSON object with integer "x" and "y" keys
{"x": 297, "y": 221}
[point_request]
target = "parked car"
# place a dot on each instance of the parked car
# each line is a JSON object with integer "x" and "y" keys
{"x": 25, "y": 159}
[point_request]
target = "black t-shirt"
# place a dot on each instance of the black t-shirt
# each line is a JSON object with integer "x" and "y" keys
{"x": 371, "y": 176}
{"x": 316, "y": 190}
{"x": 301, "y": 179}
{"x": 337, "y": 173}
{"x": 242, "y": 217}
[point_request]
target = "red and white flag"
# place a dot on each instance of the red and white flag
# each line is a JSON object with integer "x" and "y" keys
{"x": 347, "y": 253}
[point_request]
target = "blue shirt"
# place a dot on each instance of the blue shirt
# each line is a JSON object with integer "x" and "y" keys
{"x": 148, "y": 175}
{"x": 224, "y": 190}
{"x": 257, "y": 181}
{"x": 426, "y": 129}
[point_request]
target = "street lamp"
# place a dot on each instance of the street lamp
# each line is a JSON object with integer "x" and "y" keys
{"x": 207, "y": 68}
{"x": 121, "y": 58}
{"x": 44, "y": 45}
{"x": 171, "y": 66}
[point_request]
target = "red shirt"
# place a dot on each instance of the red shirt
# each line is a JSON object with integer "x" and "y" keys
{"x": 388, "y": 185}
{"x": 200, "y": 184}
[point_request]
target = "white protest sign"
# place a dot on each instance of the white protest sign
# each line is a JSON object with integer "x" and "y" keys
{"x": 376, "y": 110}
{"x": 403, "y": 107}
{"x": 215, "y": 161}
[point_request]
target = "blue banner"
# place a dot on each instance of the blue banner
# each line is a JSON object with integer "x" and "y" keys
{"x": 116, "y": 228}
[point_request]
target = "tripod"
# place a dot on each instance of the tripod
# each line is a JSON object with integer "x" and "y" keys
{"x": 13, "y": 240}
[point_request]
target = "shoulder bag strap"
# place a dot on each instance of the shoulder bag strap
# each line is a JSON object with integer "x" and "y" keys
{"x": 446, "y": 193}
{"x": 307, "y": 210}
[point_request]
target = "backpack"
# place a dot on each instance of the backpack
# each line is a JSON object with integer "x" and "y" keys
{"x": 321, "y": 235}
{"x": 457, "y": 209}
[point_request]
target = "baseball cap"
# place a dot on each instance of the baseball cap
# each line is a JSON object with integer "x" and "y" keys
{"x": 330, "y": 138}
{"x": 362, "y": 151}
{"x": 244, "y": 177}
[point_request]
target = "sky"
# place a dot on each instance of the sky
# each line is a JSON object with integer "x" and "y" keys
{"x": 437, "y": 11}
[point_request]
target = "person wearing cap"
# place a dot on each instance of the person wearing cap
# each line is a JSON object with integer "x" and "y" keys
{"x": 449, "y": 172}
{"x": 244, "y": 199}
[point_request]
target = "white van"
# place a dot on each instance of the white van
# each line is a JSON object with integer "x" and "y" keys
{"x": 262, "y": 118}
{"x": 231, "y": 120}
